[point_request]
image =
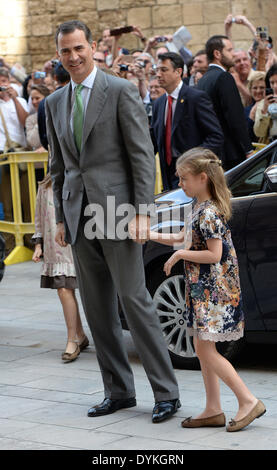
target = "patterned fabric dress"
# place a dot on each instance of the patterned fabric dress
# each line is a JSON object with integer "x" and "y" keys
{"x": 58, "y": 267}
{"x": 213, "y": 297}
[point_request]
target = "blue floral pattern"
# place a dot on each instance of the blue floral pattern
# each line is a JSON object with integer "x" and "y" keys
{"x": 213, "y": 296}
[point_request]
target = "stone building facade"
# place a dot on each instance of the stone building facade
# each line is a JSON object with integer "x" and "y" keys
{"x": 27, "y": 27}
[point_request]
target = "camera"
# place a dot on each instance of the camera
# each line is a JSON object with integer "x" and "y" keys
{"x": 123, "y": 67}
{"x": 39, "y": 75}
{"x": 161, "y": 39}
{"x": 262, "y": 32}
{"x": 3, "y": 88}
{"x": 54, "y": 62}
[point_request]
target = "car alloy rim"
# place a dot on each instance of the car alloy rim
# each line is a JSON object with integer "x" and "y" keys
{"x": 169, "y": 300}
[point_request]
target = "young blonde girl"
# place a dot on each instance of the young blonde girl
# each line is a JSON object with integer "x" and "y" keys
{"x": 213, "y": 296}
{"x": 58, "y": 270}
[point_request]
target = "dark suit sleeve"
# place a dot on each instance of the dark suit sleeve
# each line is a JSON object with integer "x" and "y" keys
{"x": 208, "y": 122}
{"x": 233, "y": 111}
{"x": 56, "y": 164}
{"x": 42, "y": 125}
{"x": 152, "y": 133}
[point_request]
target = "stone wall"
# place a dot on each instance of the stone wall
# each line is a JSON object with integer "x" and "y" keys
{"x": 27, "y": 27}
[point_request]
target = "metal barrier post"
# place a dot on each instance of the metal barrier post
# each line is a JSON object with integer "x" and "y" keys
{"x": 19, "y": 228}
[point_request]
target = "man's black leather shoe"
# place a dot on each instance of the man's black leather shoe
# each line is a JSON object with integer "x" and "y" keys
{"x": 164, "y": 409}
{"x": 109, "y": 406}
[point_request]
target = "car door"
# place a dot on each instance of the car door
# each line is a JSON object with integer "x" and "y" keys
{"x": 261, "y": 241}
{"x": 261, "y": 245}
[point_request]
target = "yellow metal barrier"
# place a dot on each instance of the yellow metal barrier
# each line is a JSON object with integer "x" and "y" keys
{"x": 257, "y": 146}
{"x": 17, "y": 227}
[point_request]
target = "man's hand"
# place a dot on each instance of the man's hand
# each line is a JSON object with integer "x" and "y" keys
{"x": 60, "y": 234}
{"x": 137, "y": 32}
{"x": 12, "y": 93}
{"x": 139, "y": 228}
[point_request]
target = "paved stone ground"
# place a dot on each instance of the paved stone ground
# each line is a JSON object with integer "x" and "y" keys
{"x": 43, "y": 402}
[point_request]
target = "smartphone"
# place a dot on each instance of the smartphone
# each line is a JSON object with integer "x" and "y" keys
{"x": 161, "y": 39}
{"x": 269, "y": 91}
{"x": 124, "y": 29}
{"x": 39, "y": 75}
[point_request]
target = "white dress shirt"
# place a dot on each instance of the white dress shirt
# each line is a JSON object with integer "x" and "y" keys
{"x": 174, "y": 95}
{"x": 15, "y": 128}
{"x": 219, "y": 66}
{"x": 85, "y": 92}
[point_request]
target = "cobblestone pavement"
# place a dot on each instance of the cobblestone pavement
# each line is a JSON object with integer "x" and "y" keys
{"x": 44, "y": 402}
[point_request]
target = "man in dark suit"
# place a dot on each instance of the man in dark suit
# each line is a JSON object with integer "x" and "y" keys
{"x": 222, "y": 89}
{"x": 183, "y": 118}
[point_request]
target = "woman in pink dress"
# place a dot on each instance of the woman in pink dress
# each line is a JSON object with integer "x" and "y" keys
{"x": 58, "y": 270}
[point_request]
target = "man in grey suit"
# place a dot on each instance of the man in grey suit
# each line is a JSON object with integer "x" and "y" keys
{"x": 101, "y": 151}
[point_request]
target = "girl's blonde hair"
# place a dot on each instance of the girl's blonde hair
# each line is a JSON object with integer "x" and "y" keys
{"x": 198, "y": 160}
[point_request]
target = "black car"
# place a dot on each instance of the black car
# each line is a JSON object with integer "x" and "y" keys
{"x": 254, "y": 231}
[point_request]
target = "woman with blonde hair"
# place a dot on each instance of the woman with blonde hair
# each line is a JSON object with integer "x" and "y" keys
{"x": 256, "y": 86}
{"x": 213, "y": 306}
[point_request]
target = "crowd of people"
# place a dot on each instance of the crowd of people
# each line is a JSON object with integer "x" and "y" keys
{"x": 22, "y": 123}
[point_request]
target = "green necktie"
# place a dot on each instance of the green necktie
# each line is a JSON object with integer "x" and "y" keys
{"x": 78, "y": 116}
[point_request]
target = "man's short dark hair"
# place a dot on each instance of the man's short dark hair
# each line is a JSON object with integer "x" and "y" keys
{"x": 215, "y": 43}
{"x": 176, "y": 60}
{"x": 201, "y": 52}
{"x": 61, "y": 74}
{"x": 70, "y": 26}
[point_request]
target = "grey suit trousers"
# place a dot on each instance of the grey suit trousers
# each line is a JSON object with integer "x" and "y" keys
{"x": 104, "y": 269}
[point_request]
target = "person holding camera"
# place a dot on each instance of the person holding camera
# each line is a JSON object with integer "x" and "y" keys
{"x": 266, "y": 112}
{"x": 256, "y": 87}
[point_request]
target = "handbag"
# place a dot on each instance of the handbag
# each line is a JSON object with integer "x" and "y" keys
{"x": 11, "y": 145}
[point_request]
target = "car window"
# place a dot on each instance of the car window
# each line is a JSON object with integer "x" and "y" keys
{"x": 252, "y": 180}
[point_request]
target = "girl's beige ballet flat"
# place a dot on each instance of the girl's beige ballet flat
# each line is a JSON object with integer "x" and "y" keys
{"x": 212, "y": 421}
{"x": 256, "y": 412}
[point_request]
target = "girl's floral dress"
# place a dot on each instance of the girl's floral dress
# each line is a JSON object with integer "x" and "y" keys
{"x": 213, "y": 296}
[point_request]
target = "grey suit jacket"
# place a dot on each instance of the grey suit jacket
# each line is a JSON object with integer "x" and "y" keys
{"x": 116, "y": 158}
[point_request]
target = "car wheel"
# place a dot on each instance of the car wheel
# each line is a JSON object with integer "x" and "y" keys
{"x": 169, "y": 297}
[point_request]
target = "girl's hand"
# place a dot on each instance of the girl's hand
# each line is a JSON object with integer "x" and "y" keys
{"x": 172, "y": 261}
{"x": 37, "y": 254}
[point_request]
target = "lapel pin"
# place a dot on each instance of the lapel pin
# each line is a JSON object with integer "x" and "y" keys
{"x": 182, "y": 100}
